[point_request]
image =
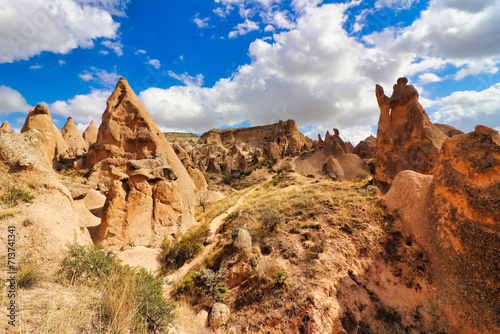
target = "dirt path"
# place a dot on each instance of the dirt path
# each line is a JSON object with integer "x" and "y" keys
{"x": 214, "y": 225}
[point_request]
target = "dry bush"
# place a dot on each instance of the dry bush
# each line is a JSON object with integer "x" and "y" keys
{"x": 28, "y": 273}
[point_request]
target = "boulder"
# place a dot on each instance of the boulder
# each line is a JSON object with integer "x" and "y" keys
{"x": 333, "y": 169}
{"x": 90, "y": 134}
{"x": 39, "y": 118}
{"x": 74, "y": 138}
{"x": 406, "y": 139}
{"x": 219, "y": 315}
{"x": 127, "y": 132}
{"x": 242, "y": 241}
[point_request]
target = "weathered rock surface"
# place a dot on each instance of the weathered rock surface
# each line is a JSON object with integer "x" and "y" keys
{"x": 448, "y": 130}
{"x": 39, "y": 118}
{"x": 54, "y": 223}
{"x": 366, "y": 148}
{"x": 90, "y": 134}
{"x": 219, "y": 315}
{"x": 242, "y": 241}
{"x": 74, "y": 139}
{"x": 406, "y": 139}
{"x": 463, "y": 215}
{"x": 151, "y": 195}
{"x": 5, "y": 128}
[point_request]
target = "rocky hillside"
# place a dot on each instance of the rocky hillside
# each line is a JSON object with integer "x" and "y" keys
{"x": 251, "y": 230}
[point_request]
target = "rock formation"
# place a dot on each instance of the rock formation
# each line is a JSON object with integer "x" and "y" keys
{"x": 463, "y": 215}
{"x": 39, "y": 118}
{"x": 5, "y": 128}
{"x": 455, "y": 216}
{"x": 128, "y": 132}
{"x": 449, "y": 130}
{"x": 90, "y": 134}
{"x": 366, "y": 148}
{"x": 24, "y": 165}
{"x": 406, "y": 139}
{"x": 74, "y": 139}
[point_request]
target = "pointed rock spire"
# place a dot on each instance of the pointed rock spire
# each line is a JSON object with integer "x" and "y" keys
{"x": 74, "y": 138}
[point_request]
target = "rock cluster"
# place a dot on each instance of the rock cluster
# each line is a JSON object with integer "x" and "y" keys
{"x": 406, "y": 138}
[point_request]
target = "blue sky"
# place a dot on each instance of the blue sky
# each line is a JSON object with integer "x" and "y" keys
{"x": 202, "y": 64}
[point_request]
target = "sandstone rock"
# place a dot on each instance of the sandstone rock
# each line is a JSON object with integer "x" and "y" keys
{"x": 406, "y": 139}
{"x": 219, "y": 315}
{"x": 272, "y": 152}
{"x": 90, "y": 134}
{"x": 25, "y": 165}
{"x": 73, "y": 138}
{"x": 127, "y": 132}
{"x": 39, "y": 118}
{"x": 182, "y": 154}
{"x": 5, "y": 128}
{"x": 406, "y": 200}
{"x": 241, "y": 163}
{"x": 198, "y": 178}
{"x": 463, "y": 222}
{"x": 143, "y": 206}
{"x": 333, "y": 168}
{"x": 242, "y": 241}
{"x": 449, "y": 130}
{"x": 366, "y": 148}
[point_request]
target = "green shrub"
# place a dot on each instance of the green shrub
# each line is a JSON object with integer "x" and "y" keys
{"x": 187, "y": 248}
{"x": 284, "y": 168}
{"x": 212, "y": 283}
{"x": 131, "y": 299}
{"x": 279, "y": 277}
{"x": 271, "y": 218}
{"x": 13, "y": 196}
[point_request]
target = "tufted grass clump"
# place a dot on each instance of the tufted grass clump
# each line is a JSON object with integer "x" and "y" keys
{"x": 13, "y": 196}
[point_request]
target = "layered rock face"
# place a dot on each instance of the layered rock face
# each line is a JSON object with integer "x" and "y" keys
{"x": 406, "y": 139}
{"x": 455, "y": 216}
{"x": 128, "y": 132}
{"x": 463, "y": 215}
{"x": 74, "y": 139}
{"x": 143, "y": 206}
{"x": 39, "y": 118}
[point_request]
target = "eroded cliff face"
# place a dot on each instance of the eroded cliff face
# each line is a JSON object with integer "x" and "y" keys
{"x": 406, "y": 139}
{"x": 463, "y": 217}
{"x": 455, "y": 216}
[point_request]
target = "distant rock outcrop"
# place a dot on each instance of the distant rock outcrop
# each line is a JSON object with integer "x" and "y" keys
{"x": 448, "y": 130}
{"x": 366, "y": 148}
{"x": 5, "y": 128}
{"x": 406, "y": 139}
{"x": 39, "y": 118}
{"x": 74, "y": 139}
{"x": 90, "y": 134}
{"x": 128, "y": 132}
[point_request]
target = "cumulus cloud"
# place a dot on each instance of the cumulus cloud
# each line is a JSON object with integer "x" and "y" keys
{"x": 398, "y": 4}
{"x": 100, "y": 76}
{"x": 83, "y": 108}
{"x": 465, "y": 109}
{"x": 243, "y": 28}
{"x": 117, "y": 46}
{"x": 155, "y": 63}
{"x": 188, "y": 80}
{"x": 428, "y": 78}
{"x": 201, "y": 23}
{"x": 30, "y": 27}
{"x": 12, "y": 101}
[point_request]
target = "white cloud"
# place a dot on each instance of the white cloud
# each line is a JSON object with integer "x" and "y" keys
{"x": 141, "y": 51}
{"x": 155, "y": 63}
{"x": 62, "y": 62}
{"x": 30, "y": 27}
{"x": 187, "y": 80}
{"x": 83, "y": 108}
{"x": 428, "y": 78}
{"x": 12, "y": 101}
{"x": 201, "y": 23}
{"x": 243, "y": 28}
{"x": 117, "y": 46}
{"x": 36, "y": 67}
{"x": 114, "y": 7}
{"x": 465, "y": 109}
{"x": 398, "y": 4}
{"x": 100, "y": 76}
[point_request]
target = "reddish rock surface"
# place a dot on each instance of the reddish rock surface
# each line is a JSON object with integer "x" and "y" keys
{"x": 406, "y": 139}
{"x": 366, "y": 148}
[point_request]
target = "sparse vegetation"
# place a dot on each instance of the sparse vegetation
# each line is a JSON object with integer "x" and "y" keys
{"x": 28, "y": 273}
{"x": 13, "y": 196}
{"x": 27, "y": 222}
{"x": 131, "y": 299}
{"x": 174, "y": 256}
{"x": 279, "y": 277}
